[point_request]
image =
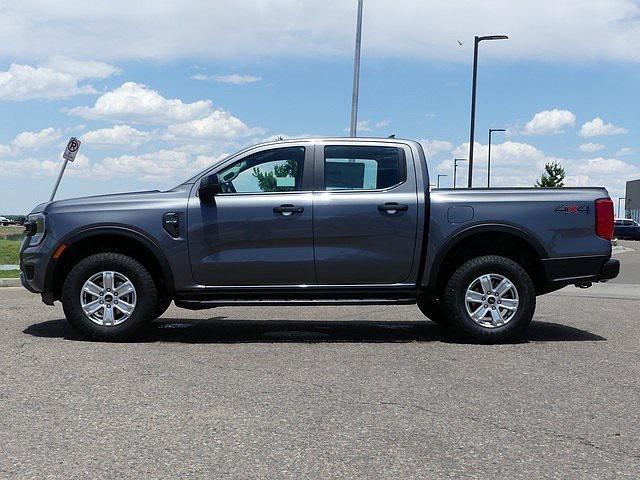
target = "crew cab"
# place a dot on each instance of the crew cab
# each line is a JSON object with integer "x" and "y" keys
{"x": 336, "y": 221}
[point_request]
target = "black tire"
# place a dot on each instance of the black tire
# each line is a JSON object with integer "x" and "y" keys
{"x": 146, "y": 296}
{"x": 433, "y": 312}
{"x": 456, "y": 291}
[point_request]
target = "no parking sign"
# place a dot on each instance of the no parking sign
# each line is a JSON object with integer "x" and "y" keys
{"x": 72, "y": 149}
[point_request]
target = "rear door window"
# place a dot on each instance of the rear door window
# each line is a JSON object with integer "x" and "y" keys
{"x": 349, "y": 167}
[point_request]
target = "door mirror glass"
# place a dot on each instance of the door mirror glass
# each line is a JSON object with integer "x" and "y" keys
{"x": 209, "y": 187}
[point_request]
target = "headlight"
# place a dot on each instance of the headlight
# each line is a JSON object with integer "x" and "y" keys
{"x": 35, "y": 228}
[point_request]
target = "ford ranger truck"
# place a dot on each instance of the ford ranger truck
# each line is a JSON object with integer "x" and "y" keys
{"x": 331, "y": 221}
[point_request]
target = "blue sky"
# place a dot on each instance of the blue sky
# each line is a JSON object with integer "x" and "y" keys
{"x": 163, "y": 89}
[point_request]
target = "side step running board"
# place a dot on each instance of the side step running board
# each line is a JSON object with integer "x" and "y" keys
{"x": 203, "y": 304}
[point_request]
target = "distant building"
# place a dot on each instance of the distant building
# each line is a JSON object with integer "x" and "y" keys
{"x": 632, "y": 203}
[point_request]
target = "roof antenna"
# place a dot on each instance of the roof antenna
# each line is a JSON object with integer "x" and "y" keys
{"x": 393, "y": 135}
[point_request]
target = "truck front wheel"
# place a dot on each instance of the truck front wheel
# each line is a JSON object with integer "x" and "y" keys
{"x": 491, "y": 299}
{"x": 109, "y": 296}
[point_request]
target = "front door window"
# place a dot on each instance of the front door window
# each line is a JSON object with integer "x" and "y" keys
{"x": 278, "y": 170}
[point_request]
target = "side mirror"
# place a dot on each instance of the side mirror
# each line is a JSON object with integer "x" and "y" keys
{"x": 209, "y": 187}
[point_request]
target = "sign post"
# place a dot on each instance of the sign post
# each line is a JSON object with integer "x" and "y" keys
{"x": 69, "y": 155}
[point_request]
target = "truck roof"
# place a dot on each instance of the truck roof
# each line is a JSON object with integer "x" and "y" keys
{"x": 338, "y": 139}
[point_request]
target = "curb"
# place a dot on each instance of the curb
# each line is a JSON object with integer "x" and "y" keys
{"x": 10, "y": 282}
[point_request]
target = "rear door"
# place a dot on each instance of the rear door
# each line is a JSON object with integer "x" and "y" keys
{"x": 365, "y": 213}
{"x": 259, "y": 231}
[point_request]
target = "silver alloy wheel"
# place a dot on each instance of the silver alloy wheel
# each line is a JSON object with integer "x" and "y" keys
{"x": 108, "y": 298}
{"x": 491, "y": 300}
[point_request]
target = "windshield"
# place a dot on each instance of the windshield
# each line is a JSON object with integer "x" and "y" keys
{"x": 202, "y": 172}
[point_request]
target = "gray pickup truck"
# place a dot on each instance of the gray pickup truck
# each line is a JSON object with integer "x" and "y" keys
{"x": 338, "y": 221}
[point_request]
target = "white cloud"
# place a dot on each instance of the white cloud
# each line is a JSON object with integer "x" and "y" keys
{"x": 81, "y": 69}
{"x": 433, "y": 147}
{"x": 368, "y": 125}
{"x": 590, "y": 147}
{"x": 521, "y": 164}
{"x": 512, "y": 163}
{"x": 35, "y": 140}
{"x": 117, "y": 135}
{"x": 149, "y": 166}
{"x": 205, "y": 161}
{"x": 157, "y": 166}
{"x": 597, "y": 127}
{"x": 611, "y": 173}
{"x": 624, "y": 151}
{"x": 138, "y": 103}
{"x": 122, "y": 29}
{"x": 24, "y": 82}
{"x": 234, "y": 78}
{"x": 58, "y": 77}
{"x": 31, "y": 167}
{"x": 219, "y": 125}
{"x": 549, "y": 122}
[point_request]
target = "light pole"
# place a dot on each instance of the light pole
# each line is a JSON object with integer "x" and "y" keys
{"x": 440, "y": 175}
{"x": 356, "y": 73}
{"x": 455, "y": 168}
{"x": 473, "y": 98}
{"x": 491, "y": 130}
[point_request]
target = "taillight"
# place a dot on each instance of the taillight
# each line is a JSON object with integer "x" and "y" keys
{"x": 604, "y": 218}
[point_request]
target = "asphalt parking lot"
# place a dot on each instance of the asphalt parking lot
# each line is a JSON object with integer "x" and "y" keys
{"x": 341, "y": 392}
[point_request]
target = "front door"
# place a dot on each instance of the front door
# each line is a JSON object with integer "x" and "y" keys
{"x": 365, "y": 214}
{"x": 259, "y": 231}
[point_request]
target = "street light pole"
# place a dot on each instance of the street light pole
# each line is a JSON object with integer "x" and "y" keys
{"x": 477, "y": 40}
{"x": 356, "y": 73}
{"x": 491, "y": 130}
{"x": 455, "y": 168}
{"x": 440, "y": 175}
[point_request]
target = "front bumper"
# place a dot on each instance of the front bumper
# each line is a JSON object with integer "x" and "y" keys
{"x": 26, "y": 284}
{"x": 34, "y": 262}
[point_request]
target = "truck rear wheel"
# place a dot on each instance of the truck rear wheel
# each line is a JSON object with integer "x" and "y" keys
{"x": 492, "y": 299}
{"x": 109, "y": 296}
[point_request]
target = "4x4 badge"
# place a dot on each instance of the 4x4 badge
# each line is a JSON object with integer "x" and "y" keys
{"x": 573, "y": 209}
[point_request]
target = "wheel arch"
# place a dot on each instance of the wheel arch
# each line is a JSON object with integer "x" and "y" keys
{"x": 101, "y": 238}
{"x": 507, "y": 240}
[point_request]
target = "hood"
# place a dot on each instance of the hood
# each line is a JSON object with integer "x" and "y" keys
{"x": 112, "y": 198}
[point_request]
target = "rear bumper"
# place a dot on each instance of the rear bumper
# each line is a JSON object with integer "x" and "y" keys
{"x": 579, "y": 270}
{"x": 610, "y": 269}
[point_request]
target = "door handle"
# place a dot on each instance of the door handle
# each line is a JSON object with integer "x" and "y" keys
{"x": 287, "y": 209}
{"x": 393, "y": 207}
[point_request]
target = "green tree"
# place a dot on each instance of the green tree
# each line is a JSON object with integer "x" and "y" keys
{"x": 553, "y": 176}
{"x": 267, "y": 180}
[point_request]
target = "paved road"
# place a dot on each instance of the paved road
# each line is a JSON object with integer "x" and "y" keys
{"x": 371, "y": 392}
{"x": 630, "y": 261}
